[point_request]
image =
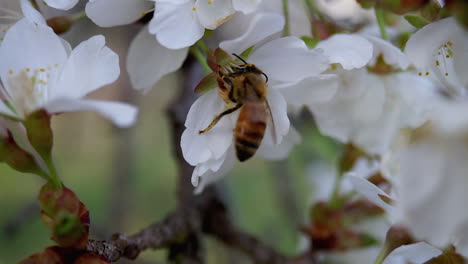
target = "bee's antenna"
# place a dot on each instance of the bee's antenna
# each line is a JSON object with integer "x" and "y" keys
{"x": 266, "y": 77}
{"x": 239, "y": 57}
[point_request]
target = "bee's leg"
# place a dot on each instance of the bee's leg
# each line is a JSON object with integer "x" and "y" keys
{"x": 218, "y": 117}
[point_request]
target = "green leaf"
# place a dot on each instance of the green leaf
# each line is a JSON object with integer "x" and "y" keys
{"x": 310, "y": 42}
{"x": 222, "y": 57}
{"x": 207, "y": 83}
{"x": 246, "y": 53}
{"x": 416, "y": 21}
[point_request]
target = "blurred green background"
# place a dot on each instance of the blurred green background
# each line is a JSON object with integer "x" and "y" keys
{"x": 127, "y": 178}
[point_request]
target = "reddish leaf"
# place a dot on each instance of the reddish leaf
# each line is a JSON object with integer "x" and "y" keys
{"x": 65, "y": 215}
{"x": 207, "y": 83}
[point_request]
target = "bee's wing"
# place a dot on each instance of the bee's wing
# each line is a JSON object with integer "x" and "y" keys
{"x": 272, "y": 128}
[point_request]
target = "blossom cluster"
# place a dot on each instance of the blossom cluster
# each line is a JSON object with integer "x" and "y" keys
{"x": 400, "y": 102}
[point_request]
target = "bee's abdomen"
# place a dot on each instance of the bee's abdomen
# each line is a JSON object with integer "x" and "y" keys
{"x": 250, "y": 129}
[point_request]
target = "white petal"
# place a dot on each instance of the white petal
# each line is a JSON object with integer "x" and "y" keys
{"x": 279, "y": 113}
{"x": 436, "y": 168}
{"x": 31, "y": 13}
{"x": 5, "y": 110}
{"x": 176, "y": 25}
{"x": 121, "y": 114}
{"x": 351, "y": 51}
{"x": 288, "y": 60}
{"x": 280, "y": 151}
{"x": 370, "y": 191}
{"x": 417, "y": 253}
{"x": 108, "y": 13}
{"x": 262, "y": 26}
{"x": 214, "y": 143}
{"x": 312, "y": 90}
{"x": 148, "y": 61}
{"x": 29, "y": 45}
{"x": 421, "y": 46}
{"x": 212, "y": 14}
{"x": 245, "y": 6}
{"x": 200, "y": 181}
{"x": 391, "y": 54}
{"x": 90, "y": 66}
{"x": 61, "y": 4}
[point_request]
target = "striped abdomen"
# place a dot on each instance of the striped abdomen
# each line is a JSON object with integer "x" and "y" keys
{"x": 250, "y": 129}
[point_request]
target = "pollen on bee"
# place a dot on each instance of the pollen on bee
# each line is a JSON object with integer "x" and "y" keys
{"x": 437, "y": 62}
{"x": 420, "y": 73}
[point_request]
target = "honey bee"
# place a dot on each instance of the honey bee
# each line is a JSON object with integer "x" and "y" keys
{"x": 245, "y": 87}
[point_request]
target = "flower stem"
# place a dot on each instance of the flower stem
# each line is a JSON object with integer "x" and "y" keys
{"x": 379, "y": 14}
{"x": 200, "y": 57}
{"x": 53, "y": 175}
{"x": 78, "y": 16}
{"x": 286, "y": 30}
{"x": 313, "y": 8}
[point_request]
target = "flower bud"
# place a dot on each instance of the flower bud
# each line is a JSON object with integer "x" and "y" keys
{"x": 65, "y": 215}
{"x": 60, "y": 24}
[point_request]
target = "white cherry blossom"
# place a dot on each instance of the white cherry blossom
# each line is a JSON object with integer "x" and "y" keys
{"x": 286, "y": 61}
{"x": 61, "y": 4}
{"x": 364, "y": 108}
{"x": 40, "y": 71}
{"x": 176, "y": 24}
{"x": 439, "y": 50}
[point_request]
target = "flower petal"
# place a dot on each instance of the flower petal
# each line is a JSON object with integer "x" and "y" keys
{"x": 288, "y": 60}
{"x": 262, "y": 26}
{"x": 61, "y": 4}
{"x": 351, "y": 51}
{"x": 279, "y": 113}
{"x": 391, "y": 54}
{"x": 280, "y": 151}
{"x": 90, "y": 66}
{"x": 212, "y": 14}
{"x": 200, "y": 181}
{"x": 217, "y": 140}
{"x": 176, "y": 25}
{"x": 31, "y": 13}
{"x": 422, "y": 44}
{"x": 28, "y": 45}
{"x": 312, "y": 90}
{"x": 123, "y": 11}
{"x": 417, "y": 253}
{"x": 370, "y": 191}
{"x": 245, "y": 6}
{"x": 121, "y": 114}
{"x": 148, "y": 61}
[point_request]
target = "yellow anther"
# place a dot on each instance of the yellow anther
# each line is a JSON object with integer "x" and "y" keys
{"x": 447, "y": 56}
{"x": 210, "y": 2}
{"x": 55, "y": 65}
{"x": 420, "y": 73}
{"x": 450, "y": 43}
{"x": 10, "y": 71}
{"x": 427, "y": 73}
{"x": 28, "y": 69}
{"x": 194, "y": 9}
{"x": 437, "y": 63}
{"x": 446, "y": 74}
{"x": 42, "y": 70}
